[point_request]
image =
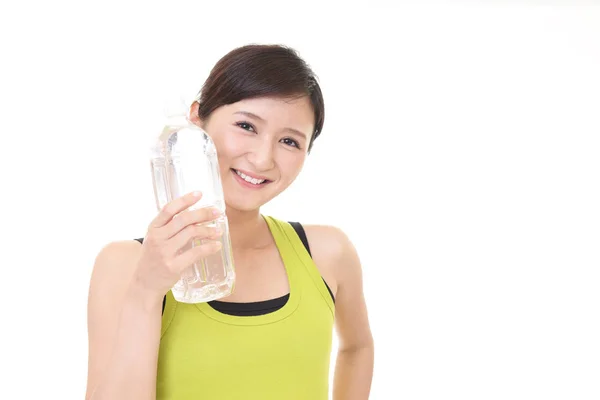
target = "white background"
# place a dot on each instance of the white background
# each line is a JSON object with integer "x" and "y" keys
{"x": 460, "y": 153}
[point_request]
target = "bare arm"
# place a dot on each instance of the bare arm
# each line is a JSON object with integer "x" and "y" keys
{"x": 123, "y": 328}
{"x": 339, "y": 264}
{"x": 126, "y": 291}
{"x": 354, "y": 365}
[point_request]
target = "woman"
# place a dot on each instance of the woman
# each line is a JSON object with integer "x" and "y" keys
{"x": 264, "y": 109}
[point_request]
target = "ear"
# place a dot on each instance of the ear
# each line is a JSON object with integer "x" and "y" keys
{"x": 193, "y": 114}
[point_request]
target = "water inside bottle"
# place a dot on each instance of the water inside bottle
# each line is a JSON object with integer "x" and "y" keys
{"x": 209, "y": 278}
{"x": 183, "y": 161}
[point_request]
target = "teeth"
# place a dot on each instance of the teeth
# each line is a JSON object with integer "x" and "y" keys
{"x": 249, "y": 179}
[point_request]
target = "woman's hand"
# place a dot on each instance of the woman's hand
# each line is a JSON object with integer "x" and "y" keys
{"x": 161, "y": 260}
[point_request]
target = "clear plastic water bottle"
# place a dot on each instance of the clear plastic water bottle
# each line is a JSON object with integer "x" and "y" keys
{"x": 184, "y": 159}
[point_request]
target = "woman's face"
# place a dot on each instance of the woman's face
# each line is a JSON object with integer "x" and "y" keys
{"x": 261, "y": 145}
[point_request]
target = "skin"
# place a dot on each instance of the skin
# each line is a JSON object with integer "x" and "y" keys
{"x": 269, "y": 138}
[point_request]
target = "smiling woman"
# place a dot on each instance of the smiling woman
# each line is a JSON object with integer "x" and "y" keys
{"x": 259, "y": 140}
{"x": 272, "y": 337}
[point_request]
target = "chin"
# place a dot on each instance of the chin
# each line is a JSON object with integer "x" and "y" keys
{"x": 243, "y": 196}
{"x": 243, "y": 200}
{"x": 239, "y": 203}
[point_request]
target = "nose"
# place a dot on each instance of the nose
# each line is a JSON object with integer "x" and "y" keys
{"x": 261, "y": 156}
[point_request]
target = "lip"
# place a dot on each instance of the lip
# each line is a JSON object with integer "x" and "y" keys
{"x": 250, "y": 174}
{"x": 248, "y": 184}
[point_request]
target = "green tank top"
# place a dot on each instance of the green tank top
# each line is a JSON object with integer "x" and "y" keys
{"x": 205, "y": 354}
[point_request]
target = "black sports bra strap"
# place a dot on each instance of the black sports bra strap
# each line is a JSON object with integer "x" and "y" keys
{"x": 302, "y": 234}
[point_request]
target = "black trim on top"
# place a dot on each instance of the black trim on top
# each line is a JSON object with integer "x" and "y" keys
{"x": 250, "y": 308}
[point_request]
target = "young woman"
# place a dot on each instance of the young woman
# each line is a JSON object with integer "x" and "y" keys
{"x": 271, "y": 338}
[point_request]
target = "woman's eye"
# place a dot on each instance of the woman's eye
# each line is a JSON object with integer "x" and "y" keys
{"x": 246, "y": 126}
{"x": 291, "y": 142}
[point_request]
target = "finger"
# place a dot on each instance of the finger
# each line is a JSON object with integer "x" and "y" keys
{"x": 174, "y": 207}
{"x": 193, "y": 232}
{"x": 193, "y": 217}
{"x": 194, "y": 254}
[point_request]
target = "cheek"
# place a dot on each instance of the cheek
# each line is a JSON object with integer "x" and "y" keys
{"x": 229, "y": 145}
{"x": 291, "y": 164}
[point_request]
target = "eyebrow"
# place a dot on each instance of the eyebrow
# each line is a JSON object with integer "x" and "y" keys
{"x": 252, "y": 115}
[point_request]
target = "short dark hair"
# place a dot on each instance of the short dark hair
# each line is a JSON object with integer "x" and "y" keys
{"x": 257, "y": 71}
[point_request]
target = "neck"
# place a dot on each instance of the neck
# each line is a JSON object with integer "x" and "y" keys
{"x": 244, "y": 227}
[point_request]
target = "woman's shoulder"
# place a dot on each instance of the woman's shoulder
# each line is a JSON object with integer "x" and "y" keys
{"x": 333, "y": 251}
{"x": 114, "y": 265}
{"x": 328, "y": 236}
{"x": 117, "y": 252}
